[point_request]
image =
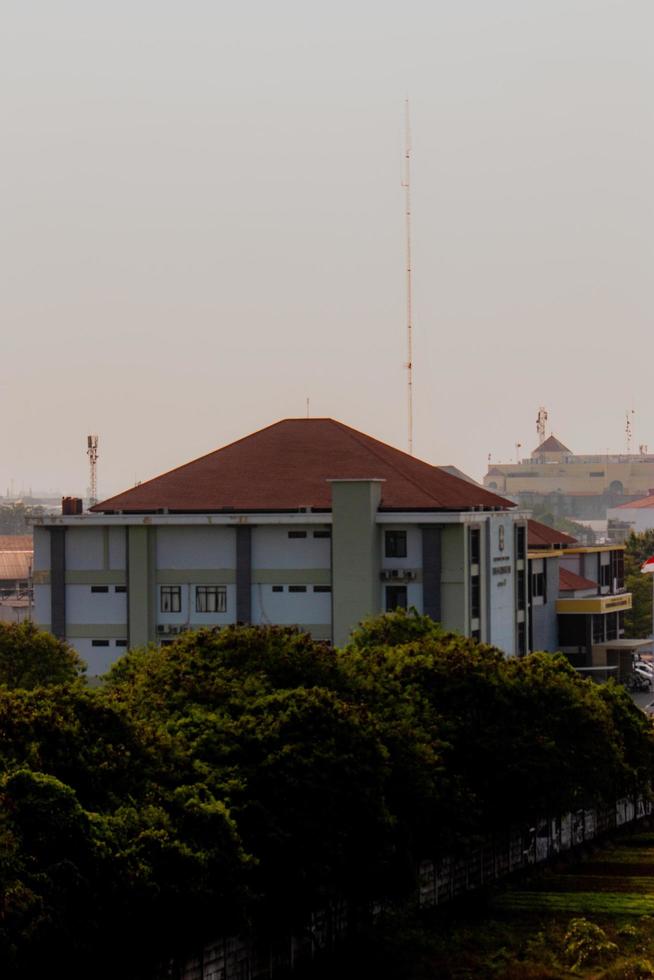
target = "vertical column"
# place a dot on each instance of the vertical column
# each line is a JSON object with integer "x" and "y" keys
{"x": 243, "y": 573}
{"x": 58, "y": 581}
{"x": 431, "y": 571}
{"x": 356, "y": 558}
{"x": 139, "y": 586}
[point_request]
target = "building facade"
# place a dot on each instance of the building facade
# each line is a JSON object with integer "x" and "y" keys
{"x": 306, "y": 523}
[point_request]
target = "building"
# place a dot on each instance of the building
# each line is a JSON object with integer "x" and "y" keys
{"x": 635, "y": 516}
{"x": 577, "y": 600}
{"x": 306, "y": 522}
{"x": 577, "y": 486}
{"x": 16, "y": 554}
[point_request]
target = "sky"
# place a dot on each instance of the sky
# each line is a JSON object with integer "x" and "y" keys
{"x": 202, "y": 226}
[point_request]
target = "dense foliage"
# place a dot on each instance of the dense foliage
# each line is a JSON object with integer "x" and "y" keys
{"x": 638, "y": 619}
{"x": 31, "y": 658}
{"x": 248, "y": 774}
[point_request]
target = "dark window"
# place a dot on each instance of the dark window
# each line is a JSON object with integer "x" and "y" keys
{"x": 538, "y": 586}
{"x": 520, "y": 538}
{"x": 99, "y": 588}
{"x": 171, "y": 598}
{"x": 278, "y": 588}
{"x": 121, "y": 643}
{"x": 605, "y": 575}
{"x": 99, "y": 643}
{"x": 520, "y": 588}
{"x": 617, "y": 570}
{"x": 475, "y": 597}
{"x": 598, "y": 629}
{"x": 322, "y": 588}
{"x": 396, "y": 597}
{"x": 475, "y": 545}
{"x": 612, "y": 626}
{"x": 522, "y": 639}
{"x": 120, "y": 588}
{"x": 620, "y": 623}
{"x": 322, "y": 534}
{"x": 297, "y": 534}
{"x": 395, "y": 544}
{"x": 210, "y": 598}
{"x": 297, "y": 588}
{"x": 165, "y": 643}
{"x": 476, "y": 635}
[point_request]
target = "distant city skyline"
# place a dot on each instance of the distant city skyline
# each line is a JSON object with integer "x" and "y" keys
{"x": 202, "y": 227}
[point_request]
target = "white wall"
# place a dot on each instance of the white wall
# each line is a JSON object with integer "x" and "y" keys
{"x": 117, "y": 548}
{"x": 98, "y": 659}
{"x": 272, "y": 548}
{"x": 196, "y": 547}
{"x": 290, "y": 608}
{"x": 84, "y": 548}
{"x": 500, "y": 588}
{"x": 41, "y": 561}
{"x": 84, "y": 606}
{"x": 413, "y": 547}
{"x": 42, "y": 606}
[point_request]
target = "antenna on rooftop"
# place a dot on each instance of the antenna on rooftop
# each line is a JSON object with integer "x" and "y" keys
{"x": 629, "y": 415}
{"x": 92, "y": 453}
{"x": 406, "y": 184}
{"x": 541, "y": 424}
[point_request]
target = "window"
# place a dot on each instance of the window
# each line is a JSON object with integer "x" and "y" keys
{"x": 617, "y": 561}
{"x": 297, "y": 534}
{"x": 322, "y": 588}
{"x": 538, "y": 586}
{"x": 612, "y": 626}
{"x": 598, "y": 629}
{"x": 210, "y": 598}
{"x": 99, "y": 643}
{"x": 521, "y": 639}
{"x": 396, "y": 597}
{"x": 297, "y": 588}
{"x": 475, "y": 545}
{"x": 322, "y": 534}
{"x": 121, "y": 643}
{"x": 520, "y": 537}
{"x": 120, "y": 588}
{"x": 475, "y": 597}
{"x": 99, "y": 588}
{"x": 476, "y": 636}
{"x": 171, "y": 598}
{"x": 605, "y": 575}
{"x": 395, "y": 544}
{"x": 278, "y": 588}
{"x": 520, "y": 588}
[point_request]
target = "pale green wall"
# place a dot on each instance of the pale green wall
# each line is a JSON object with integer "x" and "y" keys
{"x": 355, "y": 554}
{"x": 454, "y": 566}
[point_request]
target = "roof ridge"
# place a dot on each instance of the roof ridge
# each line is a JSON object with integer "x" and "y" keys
{"x": 354, "y": 435}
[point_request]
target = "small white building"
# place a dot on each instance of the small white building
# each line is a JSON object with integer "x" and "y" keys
{"x": 307, "y": 522}
{"x": 635, "y": 515}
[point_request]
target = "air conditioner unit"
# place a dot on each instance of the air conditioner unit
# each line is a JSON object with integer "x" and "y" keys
{"x": 398, "y": 573}
{"x": 161, "y": 628}
{"x": 385, "y": 574}
{"x": 411, "y": 576}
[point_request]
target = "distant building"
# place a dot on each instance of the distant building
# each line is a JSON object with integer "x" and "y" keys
{"x": 307, "y": 522}
{"x": 636, "y": 516}
{"x": 570, "y": 485}
{"x": 16, "y": 554}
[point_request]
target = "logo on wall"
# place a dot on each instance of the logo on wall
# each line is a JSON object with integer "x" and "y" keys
{"x": 500, "y": 537}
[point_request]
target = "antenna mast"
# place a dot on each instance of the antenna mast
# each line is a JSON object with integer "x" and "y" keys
{"x": 92, "y": 453}
{"x": 541, "y": 424}
{"x": 406, "y": 184}
{"x": 628, "y": 429}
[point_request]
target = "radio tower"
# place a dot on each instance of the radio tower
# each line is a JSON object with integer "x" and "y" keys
{"x": 92, "y": 453}
{"x": 406, "y": 184}
{"x": 541, "y": 424}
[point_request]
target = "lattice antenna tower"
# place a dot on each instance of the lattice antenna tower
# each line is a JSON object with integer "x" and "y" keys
{"x": 541, "y": 424}
{"x": 629, "y": 414}
{"x": 406, "y": 184}
{"x": 92, "y": 453}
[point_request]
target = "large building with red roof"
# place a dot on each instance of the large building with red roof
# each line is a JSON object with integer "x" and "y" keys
{"x": 307, "y": 522}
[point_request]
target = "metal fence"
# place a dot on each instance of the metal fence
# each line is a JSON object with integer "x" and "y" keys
{"x": 439, "y": 882}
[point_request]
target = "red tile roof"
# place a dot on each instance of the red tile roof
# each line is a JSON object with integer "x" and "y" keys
{"x": 641, "y": 504}
{"x": 16, "y": 542}
{"x": 287, "y": 466}
{"x": 542, "y": 536}
{"x": 571, "y": 582}
{"x": 552, "y": 445}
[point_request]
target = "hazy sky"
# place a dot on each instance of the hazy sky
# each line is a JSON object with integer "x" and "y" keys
{"x": 201, "y": 224}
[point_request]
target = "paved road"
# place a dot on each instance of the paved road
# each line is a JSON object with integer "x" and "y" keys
{"x": 644, "y": 700}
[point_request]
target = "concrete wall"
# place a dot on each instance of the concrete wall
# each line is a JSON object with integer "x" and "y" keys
{"x": 500, "y": 583}
{"x": 356, "y": 554}
{"x": 544, "y": 629}
{"x": 454, "y": 578}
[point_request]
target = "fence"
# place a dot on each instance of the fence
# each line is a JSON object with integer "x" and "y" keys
{"x": 439, "y": 882}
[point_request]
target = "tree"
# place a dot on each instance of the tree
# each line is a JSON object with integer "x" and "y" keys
{"x": 638, "y": 619}
{"x": 30, "y": 657}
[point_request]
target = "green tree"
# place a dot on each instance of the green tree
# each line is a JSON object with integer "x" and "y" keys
{"x": 30, "y": 657}
{"x": 638, "y": 619}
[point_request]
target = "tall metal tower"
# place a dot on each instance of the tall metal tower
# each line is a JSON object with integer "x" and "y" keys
{"x": 406, "y": 184}
{"x": 541, "y": 424}
{"x": 629, "y": 415}
{"x": 92, "y": 453}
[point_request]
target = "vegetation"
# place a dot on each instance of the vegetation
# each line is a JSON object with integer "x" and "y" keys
{"x": 245, "y": 775}
{"x": 15, "y": 518}
{"x": 638, "y": 619}
{"x": 584, "y": 534}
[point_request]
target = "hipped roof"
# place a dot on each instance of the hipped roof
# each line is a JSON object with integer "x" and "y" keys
{"x": 287, "y": 466}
